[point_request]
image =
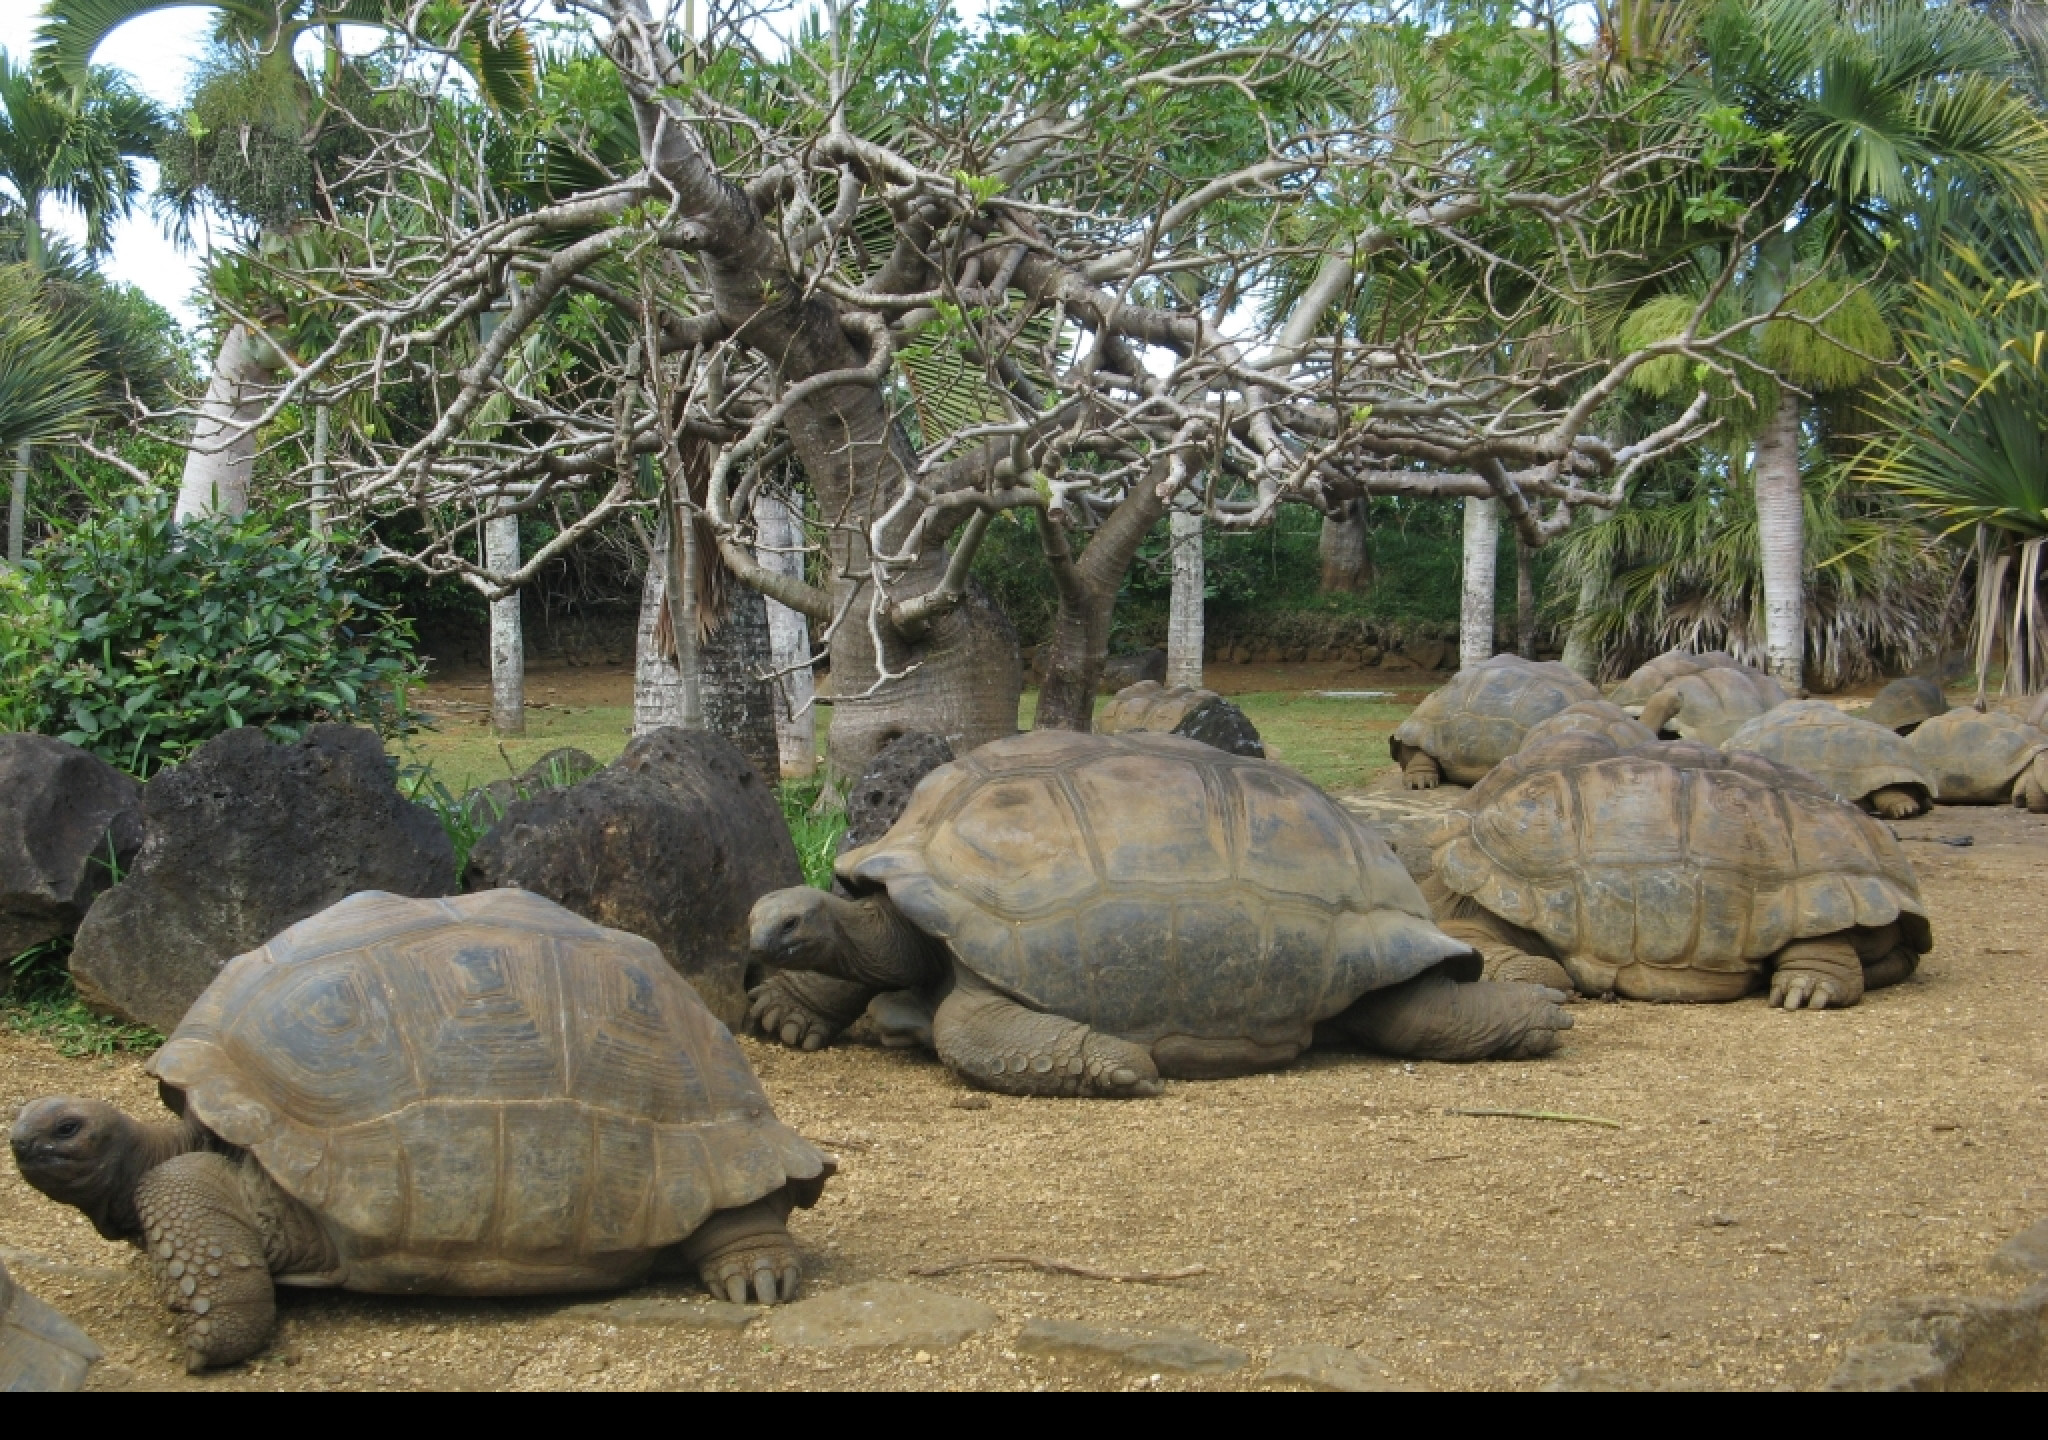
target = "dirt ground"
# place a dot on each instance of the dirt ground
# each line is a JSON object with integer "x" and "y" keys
{"x": 1773, "y": 1176}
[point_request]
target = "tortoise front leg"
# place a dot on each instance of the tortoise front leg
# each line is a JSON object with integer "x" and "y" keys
{"x": 207, "y": 1250}
{"x": 804, "y": 1009}
{"x": 993, "y": 1041}
{"x": 1816, "y": 974}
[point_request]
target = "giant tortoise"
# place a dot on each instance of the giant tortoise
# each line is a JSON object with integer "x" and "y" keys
{"x": 1657, "y": 672}
{"x": 1861, "y": 762}
{"x": 483, "y": 1095}
{"x": 1180, "y": 710}
{"x": 1598, "y": 717}
{"x": 1984, "y": 757}
{"x": 1672, "y": 871}
{"x": 1906, "y": 704}
{"x": 1098, "y": 911}
{"x": 1478, "y": 719}
{"x": 40, "y": 1350}
{"x": 1711, "y": 705}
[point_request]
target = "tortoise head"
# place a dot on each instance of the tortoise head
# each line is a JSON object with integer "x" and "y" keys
{"x": 796, "y": 929}
{"x": 77, "y": 1152}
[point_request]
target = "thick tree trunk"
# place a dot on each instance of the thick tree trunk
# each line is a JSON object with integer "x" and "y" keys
{"x": 17, "y": 503}
{"x": 1580, "y": 654}
{"x": 1346, "y": 550}
{"x": 1781, "y": 537}
{"x": 662, "y": 693}
{"x": 222, "y": 455}
{"x": 739, "y": 701}
{"x": 1482, "y": 552}
{"x": 508, "y": 640}
{"x": 1525, "y": 599}
{"x": 323, "y": 490}
{"x": 1088, "y": 586}
{"x": 1184, "y": 621}
{"x": 789, "y": 640}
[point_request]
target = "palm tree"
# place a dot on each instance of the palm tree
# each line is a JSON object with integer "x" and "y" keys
{"x": 1860, "y": 110}
{"x": 74, "y": 144}
{"x": 47, "y": 384}
{"x": 266, "y": 32}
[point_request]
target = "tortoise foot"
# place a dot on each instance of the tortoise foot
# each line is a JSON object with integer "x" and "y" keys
{"x": 1817, "y": 975}
{"x": 1516, "y": 967}
{"x": 805, "y": 1011}
{"x": 1422, "y": 773}
{"x": 1896, "y": 804}
{"x": 208, "y": 1257}
{"x": 994, "y": 1042}
{"x": 747, "y": 1250}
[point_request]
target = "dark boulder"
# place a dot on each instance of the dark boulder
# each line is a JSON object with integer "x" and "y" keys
{"x": 243, "y": 839}
{"x": 486, "y": 805}
{"x": 69, "y": 822}
{"x": 1221, "y": 724}
{"x": 674, "y": 841}
{"x": 883, "y": 789}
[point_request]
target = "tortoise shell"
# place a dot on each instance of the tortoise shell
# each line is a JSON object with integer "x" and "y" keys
{"x": 1975, "y": 756}
{"x": 1150, "y": 885}
{"x": 1713, "y": 704}
{"x": 1671, "y": 871}
{"x": 1596, "y": 717}
{"x": 484, "y": 1094}
{"x": 2031, "y": 708}
{"x": 1185, "y": 710}
{"x": 40, "y": 1350}
{"x": 1653, "y": 675}
{"x": 1905, "y": 704}
{"x": 1846, "y": 753}
{"x": 1480, "y": 718}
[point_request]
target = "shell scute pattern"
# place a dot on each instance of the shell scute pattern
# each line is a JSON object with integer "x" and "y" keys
{"x": 1973, "y": 757}
{"x": 1715, "y": 703}
{"x": 1625, "y": 859}
{"x": 505, "y": 1088}
{"x": 1482, "y": 715}
{"x": 1595, "y": 717}
{"x": 1850, "y": 756}
{"x": 1655, "y": 673}
{"x": 1199, "y": 893}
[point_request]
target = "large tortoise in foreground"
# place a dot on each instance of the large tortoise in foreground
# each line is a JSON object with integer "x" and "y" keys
{"x": 40, "y": 1350}
{"x": 1863, "y": 763}
{"x": 1464, "y": 729}
{"x": 484, "y": 1095}
{"x": 1098, "y": 911}
{"x": 1675, "y": 872}
{"x": 1984, "y": 757}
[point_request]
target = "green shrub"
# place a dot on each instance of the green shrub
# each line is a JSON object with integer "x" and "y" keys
{"x": 140, "y": 641}
{"x": 815, "y": 830}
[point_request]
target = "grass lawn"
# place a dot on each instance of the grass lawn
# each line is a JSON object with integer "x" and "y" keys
{"x": 464, "y": 754}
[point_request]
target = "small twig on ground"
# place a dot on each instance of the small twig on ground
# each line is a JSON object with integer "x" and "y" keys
{"x": 829, "y": 1143}
{"x": 1543, "y": 1115}
{"x": 1064, "y": 1267}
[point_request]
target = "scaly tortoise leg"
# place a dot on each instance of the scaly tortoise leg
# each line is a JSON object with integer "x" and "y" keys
{"x": 1895, "y": 802}
{"x": 2030, "y": 791}
{"x": 1817, "y": 974}
{"x": 805, "y": 1010}
{"x": 995, "y": 1042}
{"x": 208, "y": 1254}
{"x": 1434, "y": 1017}
{"x": 749, "y": 1244}
{"x": 1507, "y": 952}
{"x": 1421, "y": 772}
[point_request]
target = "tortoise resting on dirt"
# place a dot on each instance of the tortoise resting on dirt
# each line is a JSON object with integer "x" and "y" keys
{"x": 1655, "y": 673}
{"x": 1905, "y": 704}
{"x": 1597, "y": 717}
{"x": 1470, "y": 725}
{"x": 1675, "y": 872}
{"x": 1863, "y": 763}
{"x": 483, "y": 1095}
{"x": 1984, "y": 757}
{"x": 1096, "y": 911}
{"x": 1711, "y": 705}
{"x": 40, "y": 1350}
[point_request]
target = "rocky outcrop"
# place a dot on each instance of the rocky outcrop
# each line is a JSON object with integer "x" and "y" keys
{"x": 70, "y": 824}
{"x": 245, "y": 838}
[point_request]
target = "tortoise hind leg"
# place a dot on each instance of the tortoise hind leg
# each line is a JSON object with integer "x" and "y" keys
{"x": 2030, "y": 791}
{"x": 1817, "y": 974}
{"x": 1895, "y": 802}
{"x": 748, "y": 1244}
{"x": 1506, "y": 951}
{"x": 1434, "y": 1017}
{"x": 995, "y": 1042}
{"x": 208, "y": 1253}
{"x": 1420, "y": 771}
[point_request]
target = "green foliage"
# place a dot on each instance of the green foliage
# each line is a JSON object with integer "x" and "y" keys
{"x": 463, "y": 823}
{"x": 76, "y": 143}
{"x": 1832, "y": 336}
{"x": 47, "y": 383}
{"x": 43, "y": 1003}
{"x": 141, "y": 641}
{"x": 816, "y": 830}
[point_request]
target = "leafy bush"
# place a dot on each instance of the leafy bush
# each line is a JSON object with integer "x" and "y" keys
{"x": 816, "y": 831}
{"x": 140, "y": 641}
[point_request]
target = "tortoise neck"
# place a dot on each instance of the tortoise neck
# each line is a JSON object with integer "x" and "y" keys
{"x": 882, "y": 948}
{"x": 146, "y": 1147}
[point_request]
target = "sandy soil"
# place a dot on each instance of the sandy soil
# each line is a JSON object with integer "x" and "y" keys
{"x": 1773, "y": 1175}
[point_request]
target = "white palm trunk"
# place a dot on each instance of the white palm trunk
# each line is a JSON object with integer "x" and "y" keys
{"x": 1781, "y": 536}
{"x": 508, "y": 642}
{"x": 323, "y": 489}
{"x": 222, "y": 455}
{"x": 667, "y": 685}
{"x": 780, "y": 541}
{"x": 1482, "y": 554}
{"x": 1184, "y": 622}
